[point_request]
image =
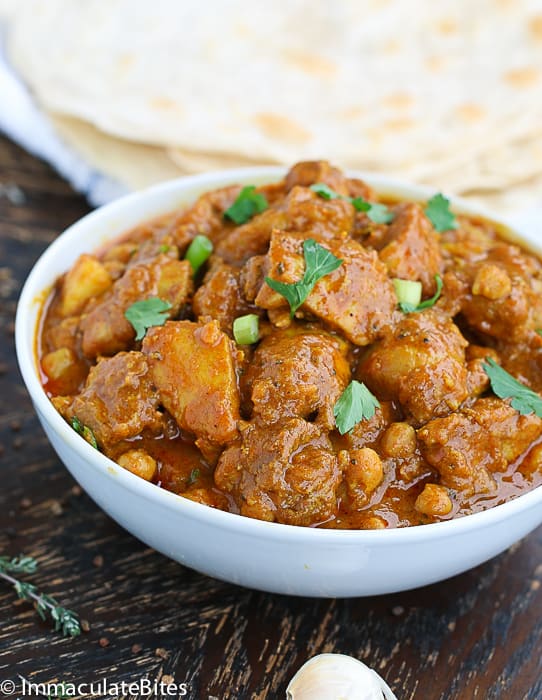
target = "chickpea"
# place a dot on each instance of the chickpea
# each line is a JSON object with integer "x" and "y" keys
{"x": 373, "y": 522}
{"x": 280, "y": 317}
{"x": 492, "y": 282}
{"x": 399, "y": 440}
{"x": 434, "y": 500}
{"x": 139, "y": 463}
{"x": 364, "y": 471}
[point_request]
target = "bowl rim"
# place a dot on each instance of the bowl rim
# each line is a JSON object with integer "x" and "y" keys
{"x": 25, "y": 339}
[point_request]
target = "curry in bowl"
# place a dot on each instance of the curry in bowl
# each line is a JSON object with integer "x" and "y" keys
{"x": 309, "y": 353}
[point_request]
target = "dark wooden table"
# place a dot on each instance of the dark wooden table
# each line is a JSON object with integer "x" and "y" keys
{"x": 478, "y": 635}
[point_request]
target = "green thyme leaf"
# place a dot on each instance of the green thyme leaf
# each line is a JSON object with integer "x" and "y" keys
{"x": 427, "y": 304}
{"x": 25, "y": 591}
{"x": 505, "y": 386}
{"x": 379, "y": 213}
{"x": 248, "y": 204}
{"x": 355, "y": 404}
{"x": 318, "y": 263}
{"x": 64, "y": 620}
{"x": 85, "y": 432}
{"x": 147, "y": 313}
{"x": 438, "y": 212}
{"x": 18, "y": 565}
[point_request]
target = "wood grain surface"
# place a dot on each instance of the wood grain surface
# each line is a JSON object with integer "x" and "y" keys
{"x": 478, "y": 635}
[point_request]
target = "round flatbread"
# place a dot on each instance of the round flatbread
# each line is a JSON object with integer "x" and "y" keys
{"x": 402, "y": 85}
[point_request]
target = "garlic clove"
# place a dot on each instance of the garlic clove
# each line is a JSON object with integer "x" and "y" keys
{"x": 337, "y": 677}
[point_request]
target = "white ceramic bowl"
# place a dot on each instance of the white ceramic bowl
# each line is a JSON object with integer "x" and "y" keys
{"x": 267, "y": 556}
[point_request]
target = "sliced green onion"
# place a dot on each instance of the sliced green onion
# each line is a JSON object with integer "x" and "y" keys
{"x": 246, "y": 330}
{"x": 85, "y": 432}
{"x": 408, "y": 291}
{"x": 198, "y": 252}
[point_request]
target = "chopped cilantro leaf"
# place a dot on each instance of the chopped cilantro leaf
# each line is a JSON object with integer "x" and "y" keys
{"x": 325, "y": 191}
{"x": 505, "y": 386}
{"x": 355, "y": 404}
{"x": 248, "y": 204}
{"x": 439, "y": 214}
{"x": 146, "y": 313}
{"x": 318, "y": 263}
{"x": 379, "y": 213}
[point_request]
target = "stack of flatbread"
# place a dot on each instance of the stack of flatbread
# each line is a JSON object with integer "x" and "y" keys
{"x": 448, "y": 93}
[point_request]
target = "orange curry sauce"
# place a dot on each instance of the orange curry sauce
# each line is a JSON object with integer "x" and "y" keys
{"x": 251, "y": 428}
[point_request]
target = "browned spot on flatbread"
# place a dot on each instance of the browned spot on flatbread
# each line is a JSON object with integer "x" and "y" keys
{"x": 391, "y": 46}
{"x": 399, "y": 124}
{"x": 164, "y": 104}
{"x": 470, "y": 112}
{"x": 447, "y": 26}
{"x": 522, "y": 77}
{"x": 276, "y": 126}
{"x": 535, "y": 27}
{"x": 310, "y": 63}
{"x": 351, "y": 113}
{"x": 125, "y": 61}
{"x": 242, "y": 30}
{"x": 399, "y": 100}
{"x": 436, "y": 63}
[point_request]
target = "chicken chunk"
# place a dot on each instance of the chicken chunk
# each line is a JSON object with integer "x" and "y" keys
{"x": 514, "y": 432}
{"x": 252, "y": 238}
{"x": 505, "y": 299}
{"x": 105, "y": 328}
{"x": 310, "y": 172}
{"x": 219, "y": 296}
{"x": 302, "y": 211}
{"x": 323, "y": 219}
{"x": 285, "y": 472}
{"x": 421, "y": 363}
{"x": 524, "y": 361}
{"x": 309, "y": 370}
{"x": 205, "y": 217}
{"x": 193, "y": 369}
{"x": 356, "y": 299}
{"x": 412, "y": 247}
{"x": 466, "y": 447}
{"x": 363, "y": 473}
{"x": 118, "y": 401}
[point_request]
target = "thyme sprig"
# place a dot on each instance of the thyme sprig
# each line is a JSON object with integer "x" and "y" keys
{"x": 65, "y": 621}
